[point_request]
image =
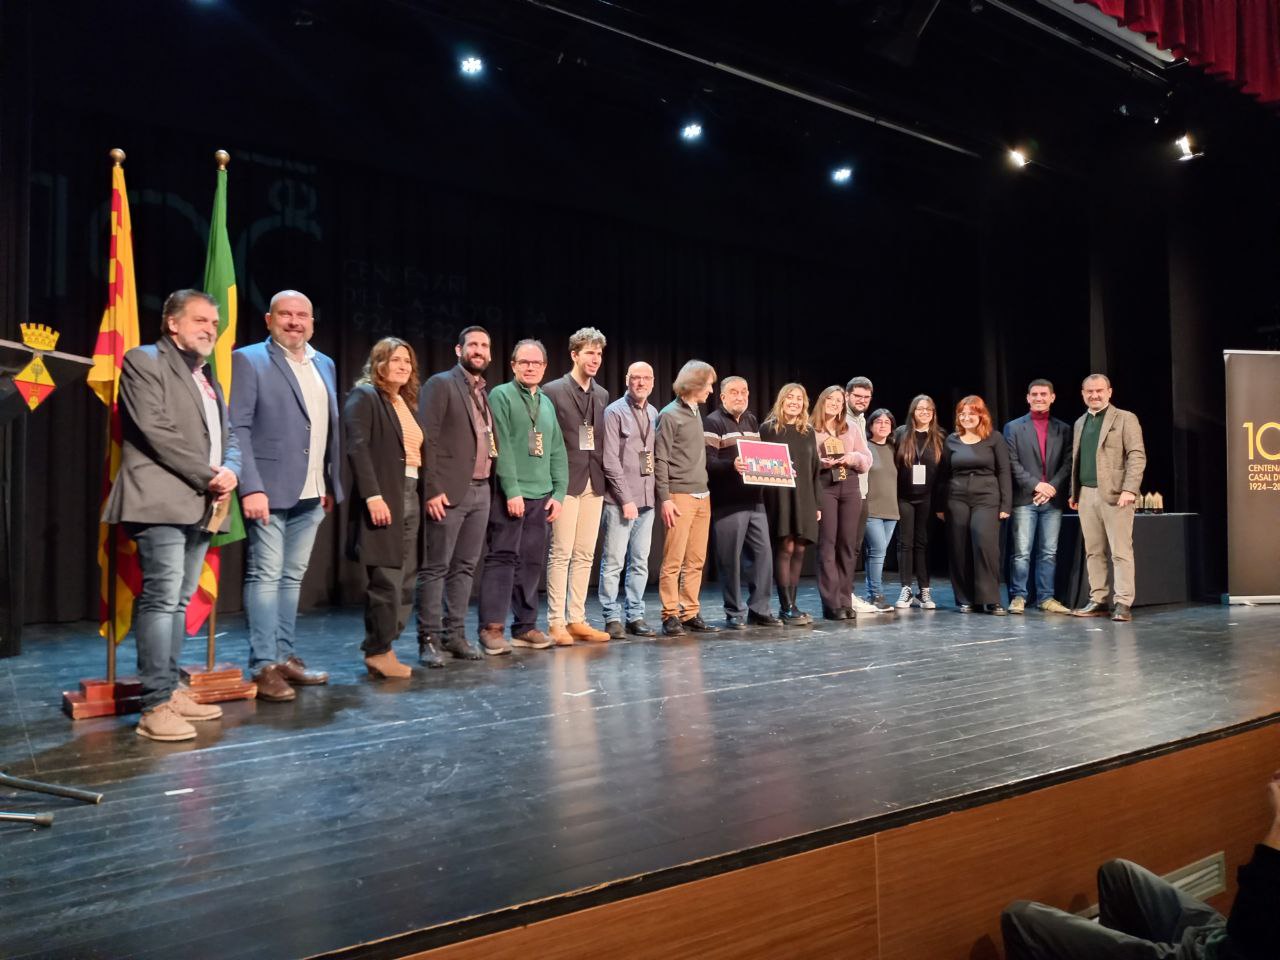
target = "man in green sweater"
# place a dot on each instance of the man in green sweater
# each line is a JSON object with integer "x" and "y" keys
{"x": 532, "y": 476}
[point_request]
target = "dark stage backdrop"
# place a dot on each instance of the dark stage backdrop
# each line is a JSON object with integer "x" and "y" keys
{"x": 384, "y": 254}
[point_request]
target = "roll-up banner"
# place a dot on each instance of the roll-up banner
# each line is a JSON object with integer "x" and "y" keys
{"x": 1253, "y": 476}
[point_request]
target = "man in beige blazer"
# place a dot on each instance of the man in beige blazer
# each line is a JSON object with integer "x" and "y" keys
{"x": 1107, "y": 460}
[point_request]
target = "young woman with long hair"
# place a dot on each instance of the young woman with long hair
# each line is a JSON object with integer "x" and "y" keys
{"x": 918, "y": 451}
{"x": 842, "y": 453}
{"x": 793, "y": 511}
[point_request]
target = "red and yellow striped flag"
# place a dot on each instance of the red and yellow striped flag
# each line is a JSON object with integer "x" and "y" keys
{"x": 117, "y": 334}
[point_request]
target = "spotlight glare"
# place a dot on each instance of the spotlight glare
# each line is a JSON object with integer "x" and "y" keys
{"x": 471, "y": 66}
{"x": 691, "y": 131}
{"x": 1186, "y": 149}
{"x": 842, "y": 175}
{"x": 1018, "y": 158}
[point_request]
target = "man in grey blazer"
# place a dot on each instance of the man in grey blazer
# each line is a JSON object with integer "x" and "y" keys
{"x": 284, "y": 413}
{"x": 178, "y": 459}
{"x": 1107, "y": 461}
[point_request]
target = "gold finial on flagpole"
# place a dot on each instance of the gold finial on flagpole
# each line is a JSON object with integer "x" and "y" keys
{"x": 223, "y": 159}
{"x": 117, "y": 155}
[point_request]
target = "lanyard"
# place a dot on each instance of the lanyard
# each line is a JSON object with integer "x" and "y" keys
{"x": 589, "y": 411}
{"x": 915, "y": 444}
{"x": 644, "y": 423}
{"x": 530, "y": 409}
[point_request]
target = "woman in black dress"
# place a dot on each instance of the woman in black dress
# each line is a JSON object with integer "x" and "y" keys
{"x": 793, "y": 512}
{"x": 973, "y": 494}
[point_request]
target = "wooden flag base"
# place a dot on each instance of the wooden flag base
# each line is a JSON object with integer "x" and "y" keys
{"x": 103, "y": 698}
{"x": 222, "y": 681}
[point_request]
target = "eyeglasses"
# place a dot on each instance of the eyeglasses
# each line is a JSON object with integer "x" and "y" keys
{"x": 530, "y": 363}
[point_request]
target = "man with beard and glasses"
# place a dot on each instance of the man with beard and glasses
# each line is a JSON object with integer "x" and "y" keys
{"x": 461, "y": 446}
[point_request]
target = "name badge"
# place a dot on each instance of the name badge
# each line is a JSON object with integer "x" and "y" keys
{"x": 586, "y": 437}
{"x": 535, "y": 443}
{"x": 646, "y": 462}
{"x": 917, "y": 474}
{"x": 493, "y": 444}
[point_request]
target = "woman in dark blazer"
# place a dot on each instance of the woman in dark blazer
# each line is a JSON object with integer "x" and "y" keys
{"x": 793, "y": 512}
{"x": 383, "y": 439}
{"x": 974, "y": 492}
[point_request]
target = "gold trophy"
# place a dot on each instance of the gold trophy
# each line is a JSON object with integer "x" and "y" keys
{"x": 834, "y": 447}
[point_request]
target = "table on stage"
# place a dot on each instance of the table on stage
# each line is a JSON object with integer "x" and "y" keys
{"x": 1165, "y": 555}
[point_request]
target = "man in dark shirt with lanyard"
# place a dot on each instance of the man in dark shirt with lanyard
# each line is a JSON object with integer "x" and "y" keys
{"x": 580, "y": 404}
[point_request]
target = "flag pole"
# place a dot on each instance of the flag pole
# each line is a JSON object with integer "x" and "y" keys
{"x": 117, "y": 160}
{"x": 221, "y": 158}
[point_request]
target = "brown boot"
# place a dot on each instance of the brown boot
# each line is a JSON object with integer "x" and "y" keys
{"x": 561, "y": 636}
{"x": 492, "y": 642}
{"x": 164, "y": 723}
{"x": 585, "y": 631}
{"x": 272, "y": 685}
{"x": 295, "y": 671}
{"x": 189, "y": 710}
{"x": 386, "y": 665}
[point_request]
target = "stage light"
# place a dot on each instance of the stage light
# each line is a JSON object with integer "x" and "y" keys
{"x": 842, "y": 175}
{"x": 691, "y": 131}
{"x": 1186, "y": 149}
{"x": 471, "y": 66}
{"x": 1018, "y": 158}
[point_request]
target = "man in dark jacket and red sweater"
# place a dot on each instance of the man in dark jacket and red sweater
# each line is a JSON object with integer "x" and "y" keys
{"x": 738, "y": 521}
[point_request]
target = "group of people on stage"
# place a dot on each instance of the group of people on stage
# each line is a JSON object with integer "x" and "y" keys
{"x": 528, "y": 476}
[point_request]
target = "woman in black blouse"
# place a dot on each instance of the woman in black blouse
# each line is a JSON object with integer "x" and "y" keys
{"x": 975, "y": 491}
{"x": 918, "y": 445}
{"x": 793, "y": 512}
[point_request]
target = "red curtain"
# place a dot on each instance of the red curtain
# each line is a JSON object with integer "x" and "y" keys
{"x": 1235, "y": 39}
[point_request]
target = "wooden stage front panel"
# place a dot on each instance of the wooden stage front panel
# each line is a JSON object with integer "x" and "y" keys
{"x": 934, "y": 889}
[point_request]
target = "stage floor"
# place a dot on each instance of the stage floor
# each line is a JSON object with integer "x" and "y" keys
{"x": 367, "y": 810}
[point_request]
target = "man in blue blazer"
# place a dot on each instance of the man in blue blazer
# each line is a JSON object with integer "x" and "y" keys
{"x": 1040, "y": 460}
{"x": 284, "y": 412}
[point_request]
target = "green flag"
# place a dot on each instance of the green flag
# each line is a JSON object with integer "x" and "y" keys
{"x": 220, "y": 283}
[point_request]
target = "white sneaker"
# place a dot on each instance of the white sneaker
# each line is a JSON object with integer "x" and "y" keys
{"x": 863, "y": 609}
{"x": 904, "y": 599}
{"x": 926, "y": 599}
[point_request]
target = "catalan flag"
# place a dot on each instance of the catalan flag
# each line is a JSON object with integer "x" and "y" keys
{"x": 219, "y": 283}
{"x": 117, "y": 334}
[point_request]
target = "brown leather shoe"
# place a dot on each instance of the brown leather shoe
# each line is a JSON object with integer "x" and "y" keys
{"x": 492, "y": 642}
{"x": 561, "y": 636}
{"x": 296, "y": 672}
{"x": 190, "y": 710}
{"x": 164, "y": 723}
{"x": 1121, "y": 614}
{"x": 533, "y": 639}
{"x": 585, "y": 631}
{"x": 1092, "y": 609}
{"x": 383, "y": 665}
{"x": 272, "y": 685}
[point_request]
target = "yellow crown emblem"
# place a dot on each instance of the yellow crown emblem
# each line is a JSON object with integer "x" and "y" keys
{"x": 37, "y": 336}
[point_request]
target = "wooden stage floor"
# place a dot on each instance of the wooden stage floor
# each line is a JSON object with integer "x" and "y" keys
{"x": 489, "y": 794}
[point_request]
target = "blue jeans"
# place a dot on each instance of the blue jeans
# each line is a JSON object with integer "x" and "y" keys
{"x": 279, "y": 551}
{"x": 626, "y": 545}
{"x": 879, "y": 533}
{"x": 170, "y": 557}
{"x": 1041, "y": 525}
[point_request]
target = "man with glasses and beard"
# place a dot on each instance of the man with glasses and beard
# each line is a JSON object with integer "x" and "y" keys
{"x": 461, "y": 446}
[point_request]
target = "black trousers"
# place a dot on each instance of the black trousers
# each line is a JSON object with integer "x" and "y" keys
{"x": 973, "y": 541}
{"x": 451, "y": 551}
{"x": 913, "y": 540}
{"x": 843, "y": 515}
{"x": 389, "y": 599}
{"x": 1142, "y": 918}
{"x": 514, "y": 563}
